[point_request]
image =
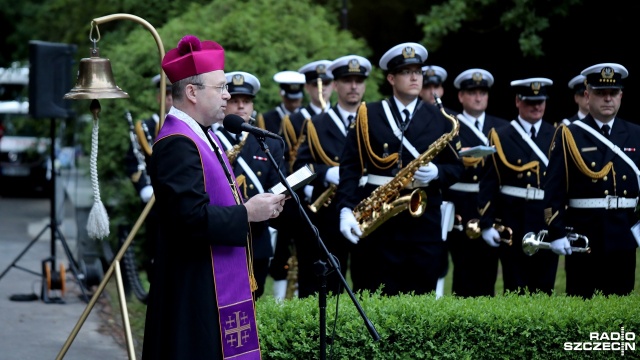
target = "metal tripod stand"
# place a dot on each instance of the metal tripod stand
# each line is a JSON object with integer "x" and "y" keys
{"x": 51, "y": 278}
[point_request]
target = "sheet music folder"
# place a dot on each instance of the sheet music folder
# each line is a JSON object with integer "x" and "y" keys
{"x": 477, "y": 151}
{"x": 298, "y": 179}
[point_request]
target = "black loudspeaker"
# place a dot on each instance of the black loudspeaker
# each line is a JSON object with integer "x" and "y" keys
{"x": 50, "y": 78}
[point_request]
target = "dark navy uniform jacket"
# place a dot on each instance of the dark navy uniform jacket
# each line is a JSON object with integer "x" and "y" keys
{"x": 333, "y": 141}
{"x": 520, "y": 214}
{"x": 465, "y": 202}
{"x": 605, "y": 229}
{"x": 427, "y": 125}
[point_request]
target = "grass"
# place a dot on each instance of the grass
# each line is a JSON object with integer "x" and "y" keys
{"x": 137, "y": 310}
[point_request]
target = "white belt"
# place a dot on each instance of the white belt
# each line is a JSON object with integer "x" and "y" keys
{"x": 465, "y": 187}
{"x": 382, "y": 180}
{"x": 529, "y": 193}
{"x": 609, "y": 202}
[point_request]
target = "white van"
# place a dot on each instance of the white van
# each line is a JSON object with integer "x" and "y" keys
{"x": 24, "y": 141}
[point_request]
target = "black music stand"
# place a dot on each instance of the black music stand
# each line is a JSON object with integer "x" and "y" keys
{"x": 321, "y": 269}
{"x": 56, "y": 234}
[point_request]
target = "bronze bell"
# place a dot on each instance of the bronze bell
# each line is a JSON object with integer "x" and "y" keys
{"x": 95, "y": 80}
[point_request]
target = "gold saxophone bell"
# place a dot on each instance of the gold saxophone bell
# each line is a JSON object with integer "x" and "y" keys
{"x": 324, "y": 199}
{"x": 473, "y": 231}
{"x": 385, "y": 201}
{"x": 415, "y": 203}
{"x": 532, "y": 242}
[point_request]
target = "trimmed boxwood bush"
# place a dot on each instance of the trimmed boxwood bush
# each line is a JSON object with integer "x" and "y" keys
{"x": 421, "y": 327}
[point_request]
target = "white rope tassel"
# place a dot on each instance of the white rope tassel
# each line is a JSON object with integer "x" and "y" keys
{"x": 98, "y": 222}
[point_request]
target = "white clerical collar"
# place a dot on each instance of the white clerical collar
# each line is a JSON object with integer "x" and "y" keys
{"x": 192, "y": 123}
{"x": 411, "y": 106}
{"x": 527, "y": 125}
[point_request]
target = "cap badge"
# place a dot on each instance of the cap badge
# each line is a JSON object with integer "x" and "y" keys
{"x": 294, "y": 87}
{"x": 408, "y": 52}
{"x": 321, "y": 69}
{"x": 430, "y": 72}
{"x": 476, "y": 77}
{"x": 354, "y": 65}
{"x": 606, "y": 75}
{"x": 607, "y": 72}
{"x": 535, "y": 87}
{"x": 238, "y": 79}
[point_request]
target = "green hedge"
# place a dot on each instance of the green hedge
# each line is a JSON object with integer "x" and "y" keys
{"x": 421, "y": 327}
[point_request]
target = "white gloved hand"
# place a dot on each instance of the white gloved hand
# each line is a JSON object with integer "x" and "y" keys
{"x": 332, "y": 176}
{"x": 146, "y": 193}
{"x": 561, "y": 246}
{"x": 491, "y": 236}
{"x": 308, "y": 192}
{"x": 426, "y": 174}
{"x": 349, "y": 226}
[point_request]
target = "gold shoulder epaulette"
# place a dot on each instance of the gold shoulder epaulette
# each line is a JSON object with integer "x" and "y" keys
{"x": 532, "y": 165}
{"x": 315, "y": 147}
{"x": 260, "y": 121}
{"x": 288, "y": 132}
{"x": 569, "y": 141}
{"x": 469, "y": 161}
{"x": 362, "y": 131}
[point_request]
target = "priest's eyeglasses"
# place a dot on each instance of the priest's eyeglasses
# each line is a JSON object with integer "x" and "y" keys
{"x": 222, "y": 88}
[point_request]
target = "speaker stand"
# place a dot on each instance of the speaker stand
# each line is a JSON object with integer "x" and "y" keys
{"x": 56, "y": 234}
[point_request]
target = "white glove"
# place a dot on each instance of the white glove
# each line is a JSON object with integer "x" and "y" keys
{"x": 561, "y": 246}
{"x": 332, "y": 176}
{"x": 491, "y": 236}
{"x": 349, "y": 226}
{"x": 308, "y": 192}
{"x": 146, "y": 193}
{"x": 426, "y": 173}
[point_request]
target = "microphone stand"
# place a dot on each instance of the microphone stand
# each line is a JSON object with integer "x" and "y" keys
{"x": 322, "y": 296}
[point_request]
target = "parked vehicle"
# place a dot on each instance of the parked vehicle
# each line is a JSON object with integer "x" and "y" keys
{"x": 24, "y": 141}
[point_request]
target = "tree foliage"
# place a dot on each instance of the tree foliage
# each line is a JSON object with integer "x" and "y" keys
{"x": 528, "y": 18}
{"x": 259, "y": 36}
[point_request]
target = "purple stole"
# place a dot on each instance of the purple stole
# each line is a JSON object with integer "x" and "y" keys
{"x": 230, "y": 268}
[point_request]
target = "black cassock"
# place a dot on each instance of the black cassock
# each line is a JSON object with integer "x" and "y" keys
{"x": 182, "y": 315}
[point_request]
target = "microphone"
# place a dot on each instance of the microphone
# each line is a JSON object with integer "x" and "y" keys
{"x": 235, "y": 124}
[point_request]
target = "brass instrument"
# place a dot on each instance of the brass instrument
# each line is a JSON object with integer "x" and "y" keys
{"x": 292, "y": 276}
{"x": 233, "y": 153}
{"x": 293, "y": 152}
{"x": 324, "y": 199}
{"x": 385, "y": 201}
{"x": 473, "y": 231}
{"x": 532, "y": 242}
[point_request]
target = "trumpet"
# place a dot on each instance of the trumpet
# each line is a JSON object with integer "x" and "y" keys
{"x": 532, "y": 242}
{"x": 324, "y": 199}
{"x": 473, "y": 231}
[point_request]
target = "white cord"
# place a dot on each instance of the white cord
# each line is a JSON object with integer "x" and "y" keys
{"x": 98, "y": 222}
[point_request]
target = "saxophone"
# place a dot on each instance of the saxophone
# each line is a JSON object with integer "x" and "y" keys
{"x": 385, "y": 201}
{"x": 233, "y": 153}
{"x": 324, "y": 199}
